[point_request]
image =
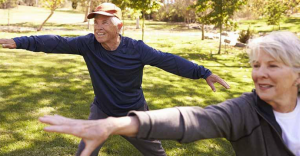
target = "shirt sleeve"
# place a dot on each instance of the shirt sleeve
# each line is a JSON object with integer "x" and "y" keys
{"x": 228, "y": 120}
{"x": 51, "y": 44}
{"x": 171, "y": 63}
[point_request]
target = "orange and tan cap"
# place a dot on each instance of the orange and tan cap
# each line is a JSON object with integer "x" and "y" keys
{"x": 106, "y": 9}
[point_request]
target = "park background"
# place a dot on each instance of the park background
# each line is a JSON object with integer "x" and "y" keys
{"x": 36, "y": 84}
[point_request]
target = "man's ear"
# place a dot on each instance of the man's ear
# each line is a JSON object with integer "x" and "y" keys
{"x": 120, "y": 25}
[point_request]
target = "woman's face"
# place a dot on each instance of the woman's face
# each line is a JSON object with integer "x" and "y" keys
{"x": 274, "y": 81}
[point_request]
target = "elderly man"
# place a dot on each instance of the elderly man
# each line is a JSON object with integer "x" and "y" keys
{"x": 115, "y": 64}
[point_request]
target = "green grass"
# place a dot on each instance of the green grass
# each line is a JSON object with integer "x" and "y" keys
{"x": 291, "y": 24}
{"x": 35, "y": 84}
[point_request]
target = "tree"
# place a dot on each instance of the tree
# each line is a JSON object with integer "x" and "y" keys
{"x": 176, "y": 12}
{"x": 274, "y": 11}
{"x": 6, "y": 4}
{"x": 220, "y": 11}
{"x": 291, "y": 6}
{"x": 52, "y": 5}
{"x": 202, "y": 11}
{"x": 88, "y": 9}
{"x": 146, "y": 6}
{"x": 122, "y": 4}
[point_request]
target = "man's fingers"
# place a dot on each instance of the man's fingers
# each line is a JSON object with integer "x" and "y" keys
{"x": 212, "y": 86}
{"x": 59, "y": 129}
{"x": 10, "y": 46}
{"x": 56, "y": 120}
{"x": 215, "y": 78}
{"x": 3, "y": 41}
{"x": 223, "y": 83}
{"x": 8, "y": 43}
{"x": 51, "y": 120}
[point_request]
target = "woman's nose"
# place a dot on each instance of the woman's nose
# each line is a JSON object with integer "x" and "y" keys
{"x": 262, "y": 72}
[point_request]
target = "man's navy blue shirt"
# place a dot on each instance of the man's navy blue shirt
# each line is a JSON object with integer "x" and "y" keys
{"x": 116, "y": 75}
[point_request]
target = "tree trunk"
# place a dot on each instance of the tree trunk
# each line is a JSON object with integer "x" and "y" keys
{"x": 202, "y": 29}
{"x": 41, "y": 26}
{"x": 137, "y": 23}
{"x": 87, "y": 10}
{"x": 220, "y": 44}
{"x": 221, "y": 24}
{"x": 8, "y": 17}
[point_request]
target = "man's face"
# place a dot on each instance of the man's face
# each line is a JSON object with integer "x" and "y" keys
{"x": 105, "y": 31}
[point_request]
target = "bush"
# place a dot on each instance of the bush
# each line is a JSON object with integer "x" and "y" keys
{"x": 175, "y": 12}
{"x": 245, "y": 35}
{"x": 169, "y": 14}
{"x": 6, "y": 4}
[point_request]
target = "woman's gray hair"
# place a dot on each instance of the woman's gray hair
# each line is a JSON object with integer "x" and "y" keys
{"x": 283, "y": 46}
{"x": 115, "y": 21}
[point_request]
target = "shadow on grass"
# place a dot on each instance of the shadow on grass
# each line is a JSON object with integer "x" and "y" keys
{"x": 60, "y": 84}
{"x": 45, "y": 146}
{"x": 29, "y": 91}
{"x": 293, "y": 20}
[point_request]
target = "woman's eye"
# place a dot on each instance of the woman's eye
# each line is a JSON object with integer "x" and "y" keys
{"x": 255, "y": 66}
{"x": 273, "y": 65}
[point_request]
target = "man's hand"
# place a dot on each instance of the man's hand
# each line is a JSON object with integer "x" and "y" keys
{"x": 92, "y": 132}
{"x": 8, "y": 43}
{"x": 210, "y": 80}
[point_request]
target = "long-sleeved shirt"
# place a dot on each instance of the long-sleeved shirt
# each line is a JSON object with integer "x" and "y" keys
{"x": 116, "y": 75}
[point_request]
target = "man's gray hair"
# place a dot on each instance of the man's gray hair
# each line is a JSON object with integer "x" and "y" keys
{"x": 115, "y": 21}
{"x": 283, "y": 46}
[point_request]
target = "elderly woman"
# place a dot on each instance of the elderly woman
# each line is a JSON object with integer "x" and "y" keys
{"x": 265, "y": 122}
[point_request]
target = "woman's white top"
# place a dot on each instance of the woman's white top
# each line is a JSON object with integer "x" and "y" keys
{"x": 290, "y": 125}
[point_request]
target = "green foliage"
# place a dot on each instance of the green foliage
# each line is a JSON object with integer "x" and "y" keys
{"x": 245, "y": 35}
{"x": 169, "y": 13}
{"x": 292, "y": 6}
{"x": 5, "y": 4}
{"x": 230, "y": 25}
{"x": 52, "y": 4}
{"x": 202, "y": 8}
{"x": 218, "y": 12}
{"x": 176, "y": 12}
{"x": 123, "y": 4}
{"x": 274, "y": 12}
{"x": 146, "y": 6}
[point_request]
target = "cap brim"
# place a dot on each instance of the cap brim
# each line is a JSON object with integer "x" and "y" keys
{"x": 92, "y": 15}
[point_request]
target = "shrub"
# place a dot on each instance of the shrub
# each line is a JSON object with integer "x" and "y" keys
{"x": 245, "y": 35}
{"x": 6, "y": 4}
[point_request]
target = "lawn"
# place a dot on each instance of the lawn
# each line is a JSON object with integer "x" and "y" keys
{"x": 35, "y": 84}
{"x": 260, "y": 26}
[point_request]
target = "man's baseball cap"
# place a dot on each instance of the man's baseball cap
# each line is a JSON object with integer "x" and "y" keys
{"x": 106, "y": 9}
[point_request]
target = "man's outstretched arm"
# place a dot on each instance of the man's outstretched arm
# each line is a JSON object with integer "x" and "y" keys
{"x": 178, "y": 65}
{"x": 8, "y": 43}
